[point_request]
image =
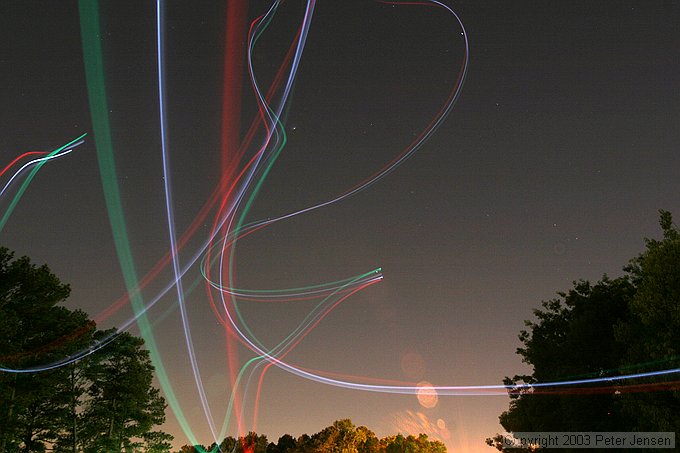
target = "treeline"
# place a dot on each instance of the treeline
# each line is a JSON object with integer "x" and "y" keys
{"x": 103, "y": 402}
{"x": 341, "y": 437}
{"x": 66, "y": 386}
{"x": 616, "y": 327}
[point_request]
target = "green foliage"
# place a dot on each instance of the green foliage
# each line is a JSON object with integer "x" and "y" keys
{"x": 33, "y": 332}
{"x": 156, "y": 442}
{"x": 252, "y": 443}
{"x": 411, "y": 444}
{"x": 341, "y": 437}
{"x": 122, "y": 403}
{"x": 622, "y": 326}
{"x": 70, "y": 408}
{"x": 196, "y": 449}
{"x": 286, "y": 444}
{"x": 653, "y": 334}
{"x": 572, "y": 339}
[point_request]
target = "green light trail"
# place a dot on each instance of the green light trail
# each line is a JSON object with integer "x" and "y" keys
{"x": 30, "y": 177}
{"x": 96, "y": 88}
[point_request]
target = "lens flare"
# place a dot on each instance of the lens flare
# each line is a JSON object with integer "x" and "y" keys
{"x": 208, "y": 245}
{"x": 427, "y": 395}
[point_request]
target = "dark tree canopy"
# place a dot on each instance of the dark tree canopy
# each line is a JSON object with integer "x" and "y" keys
{"x": 102, "y": 402}
{"x": 652, "y": 336}
{"x": 572, "y": 339}
{"x": 340, "y": 437}
{"x": 616, "y": 327}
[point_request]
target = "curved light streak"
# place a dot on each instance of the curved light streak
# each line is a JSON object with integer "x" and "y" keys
{"x": 243, "y": 189}
{"x": 38, "y": 163}
{"x": 167, "y": 186}
{"x": 444, "y": 390}
{"x": 18, "y": 158}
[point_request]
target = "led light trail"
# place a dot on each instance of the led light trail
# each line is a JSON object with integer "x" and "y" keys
{"x": 37, "y": 164}
{"x": 244, "y": 170}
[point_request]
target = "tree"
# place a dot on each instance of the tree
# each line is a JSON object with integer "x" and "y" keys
{"x": 47, "y": 411}
{"x": 250, "y": 443}
{"x": 337, "y": 438}
{"x": 50, "y": 400}
{"x": 227, "y": 445}
{"x": 305, "y": 444}
{"x": 342, "y": 436}
{"x": 411, "y": 444}
{"x": 253, "y": 443}
{"x": 157, "y": 442}
{"x": 573, "y": 338}
{"x": 35, "y": 333}
{"x": 286, "y": 444}
{"x": 394, "y": 444}
{"x": 195, "y": 449}
{"x": 622, "y": 326}
{"x": 122, "y": 406}
{"x": 367, "y": 442}
{"x": 74, "y": 389}
{"x": 653, "y": 334}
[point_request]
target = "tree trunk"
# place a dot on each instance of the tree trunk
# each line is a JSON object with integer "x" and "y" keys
{"x": 74, "y": 405}
{"x": 28, "y": 435}
{"x": 10, "y": 413}
{"x": 113, "y": 418}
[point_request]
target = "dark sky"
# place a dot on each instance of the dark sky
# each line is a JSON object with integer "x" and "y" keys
{"x": 551, "y": 167}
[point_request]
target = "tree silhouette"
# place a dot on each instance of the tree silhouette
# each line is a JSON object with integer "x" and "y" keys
{"x": 102, "y": 402}
{"x": 33, "y": 328}
{"x": 622, "y": 326}
{"x": 340, "y": 437}
{"x": 122, "y": 405}
{"x": 652, "y": 336}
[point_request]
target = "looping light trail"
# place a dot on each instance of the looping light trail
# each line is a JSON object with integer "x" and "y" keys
{"x": 245, "y": 167}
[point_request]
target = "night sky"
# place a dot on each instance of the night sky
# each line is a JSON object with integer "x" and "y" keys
{"x": 551, "y": 167}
